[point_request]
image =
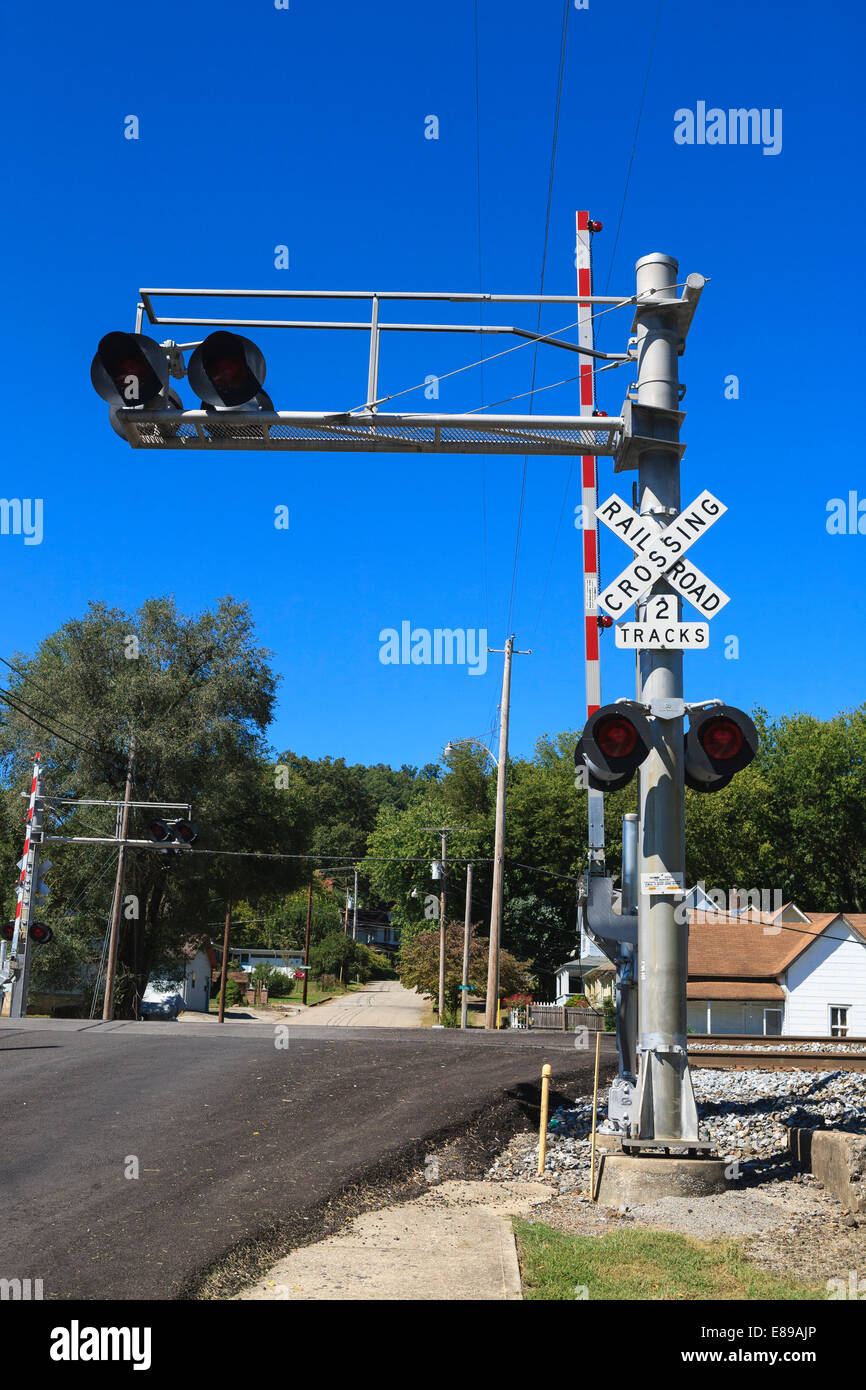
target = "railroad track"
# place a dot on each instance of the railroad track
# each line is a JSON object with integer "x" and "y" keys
{"x": 742, "y": 1052}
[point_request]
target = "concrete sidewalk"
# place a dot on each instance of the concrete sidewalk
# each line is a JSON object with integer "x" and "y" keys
{"x": 455, "y": 1243}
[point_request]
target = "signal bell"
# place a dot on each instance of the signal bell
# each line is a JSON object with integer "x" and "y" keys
{"x": 228, "y": 371}
{"x": 615, "y": 741}
{"x": 721, "y": 741}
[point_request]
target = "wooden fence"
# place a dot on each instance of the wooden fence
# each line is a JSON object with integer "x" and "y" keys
{"x": 554, "y": 1016}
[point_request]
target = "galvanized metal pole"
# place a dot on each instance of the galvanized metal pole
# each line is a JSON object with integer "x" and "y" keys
{"x": 467, "y": 930}
{"x": 665, "y": 1105}
{"x": 499, "y": 846}
{"x": 442, "y": 931}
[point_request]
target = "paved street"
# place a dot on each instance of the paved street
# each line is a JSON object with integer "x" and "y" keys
{"x": 383, "y": 1004}
{"x": 231, "y": 1132}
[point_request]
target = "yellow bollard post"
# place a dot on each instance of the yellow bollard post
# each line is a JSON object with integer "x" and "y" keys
{"x": 542, "y": 1127}
{"x": 497, "y": 1012}
{"x": 594, "y": 1107}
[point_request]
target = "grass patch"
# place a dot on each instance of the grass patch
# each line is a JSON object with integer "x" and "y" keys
{"x": 637, "y": 1263}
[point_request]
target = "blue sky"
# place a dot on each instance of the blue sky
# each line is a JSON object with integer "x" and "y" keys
{"x": 305, "y": 127}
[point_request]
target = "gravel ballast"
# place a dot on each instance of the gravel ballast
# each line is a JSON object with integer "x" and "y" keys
{"x": 781, "y": 1216}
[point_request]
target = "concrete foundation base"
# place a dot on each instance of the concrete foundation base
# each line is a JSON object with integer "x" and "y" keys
{"x": 627, "y": 1178}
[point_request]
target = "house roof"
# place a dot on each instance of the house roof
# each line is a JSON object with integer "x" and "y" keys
{"x": 734, "y": 989}
{"x": 752, "y": 946}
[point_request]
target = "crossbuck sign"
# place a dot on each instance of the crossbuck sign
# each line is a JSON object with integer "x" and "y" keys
{"x": 659, "y": 552}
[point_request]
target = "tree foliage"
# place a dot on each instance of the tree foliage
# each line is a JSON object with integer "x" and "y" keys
{"x": 419, "y": 965}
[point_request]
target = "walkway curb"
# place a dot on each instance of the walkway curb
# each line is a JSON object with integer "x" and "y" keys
{"x": 453, "y": 1243}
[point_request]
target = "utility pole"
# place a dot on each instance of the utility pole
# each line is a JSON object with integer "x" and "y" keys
{"x": 467, "y": 928}
{"x": 307, "y": 938}
{"x": 111, "y": 967}
{"x": 225, "y": 971}
{"x": 444, "y": 831}
{"x": 355, "y": 910}
{"x": 496, "y": 904}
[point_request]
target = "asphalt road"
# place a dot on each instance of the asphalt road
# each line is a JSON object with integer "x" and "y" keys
{"x": 231, "y": 1133}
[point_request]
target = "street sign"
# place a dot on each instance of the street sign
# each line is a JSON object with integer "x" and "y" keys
{"x": 661, "y": 637}
{"x": 659, "y": 552}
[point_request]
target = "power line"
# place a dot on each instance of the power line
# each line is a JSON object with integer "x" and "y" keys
{"x": 634, "y": 143}
{"x": 54, "y": 717}
{"x": 4, "y": 696}
{"x": 562, "y": 45}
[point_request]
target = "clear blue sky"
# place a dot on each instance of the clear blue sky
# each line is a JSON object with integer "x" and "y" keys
{"x": 260, "y": 127}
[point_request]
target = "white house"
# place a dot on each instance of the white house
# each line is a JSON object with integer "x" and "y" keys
{"x": 783, "y": 973}
{"x": 247, "y": 958}
{"x": 192, "y": 982}
{"x": 588, "y": 972}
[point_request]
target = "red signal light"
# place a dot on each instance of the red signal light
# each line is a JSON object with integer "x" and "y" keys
{"x": 721, "y": 738}
{"x": 227, "y": 371}
{"x": 40, "y": 934}
{"x": 130, "y": 369}
{"x": 7, "y": 931}
{"x": 185, "y": 832}
{"x": 616, "y": 737}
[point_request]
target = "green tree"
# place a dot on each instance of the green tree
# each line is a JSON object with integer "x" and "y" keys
{"x": 196, "y": 694}
{"x": 419, "y": 966}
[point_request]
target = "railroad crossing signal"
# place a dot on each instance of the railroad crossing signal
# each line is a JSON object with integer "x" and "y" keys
{"x": 615, "y": 741}
{"x": 130, "y": 369}
{"x": 228, "y": 372}
{"x": 164, "y": 832}
{"x": 39, "y": 934}
{"x": 659, "y": 552}
{"x": 721, "y": 741}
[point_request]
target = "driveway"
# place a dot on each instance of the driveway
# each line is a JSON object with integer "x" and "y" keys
{"x": 383, "y": 1004}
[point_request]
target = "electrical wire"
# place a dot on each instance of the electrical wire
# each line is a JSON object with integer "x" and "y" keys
{"x": 634, "y": 143}
{"x": 537, "y": 390}
{"x": 520, "y": 509}
{"x": 56, "y": 718}
{"x": 4, "y": 696}
{"x": 482, "y": 361}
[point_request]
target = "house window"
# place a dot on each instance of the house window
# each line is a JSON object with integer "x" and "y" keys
{"x": 839, "y": 1020}
{"x": 772, "y": 1022}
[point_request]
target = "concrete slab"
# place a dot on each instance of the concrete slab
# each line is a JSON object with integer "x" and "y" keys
{"x": 838, "y": 1160}
{"x": 454, "y": 1243}
{"x": 627, "y": 1178}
